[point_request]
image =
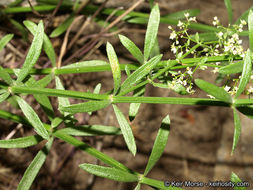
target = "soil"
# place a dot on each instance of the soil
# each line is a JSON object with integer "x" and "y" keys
{"x": 200, "y": 140}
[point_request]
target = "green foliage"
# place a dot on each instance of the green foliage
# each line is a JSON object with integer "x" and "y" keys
{"x": 132, "y": 48}
{"x": 33, "y": 54}
{"x": 32, "y": 117}
{"x": 110, "y": 173}
{"x": 246, "y": 72}
{"x": 113, "y": 59}
{"x": 22, "y": 142}
{"x": 62, "y": 27}
{"x": 33, "y": 169}
{"x": 229, "y": 10}
{"x": 237, "y": 129}
{"x": 125, "y": 129}
{"x": 159, "y": 145}
{"x": 214, "y": 90}
{"x": 236, "y": 179}
{"x": 4, "y": 40}
{"x": 152, "y": 30}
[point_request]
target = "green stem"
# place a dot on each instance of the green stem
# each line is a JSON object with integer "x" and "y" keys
{"x": 90, "y": 150}
{"x": 103, "y": 68}
{"x": 170, "y": 100}
{"x": 243, "y": 102}
{"x": 60, "y": 93}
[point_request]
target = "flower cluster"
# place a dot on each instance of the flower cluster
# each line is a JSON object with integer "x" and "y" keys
{"x": 226, "y": 42}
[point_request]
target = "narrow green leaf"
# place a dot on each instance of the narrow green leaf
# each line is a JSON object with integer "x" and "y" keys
{"x": 246, "y": 110}
{"x": 56, "y": 122}
{"x": 134, "y": 107}
{"x": 235, "y": 179}
{"x": 237, "y": 129}
{"x": 20, "y": 28}
{"x": 156, "y": 49}
{"x": 4, "y": 96}
{"x": 113, "y": 59}
{"x": 244, "y": 16}
{"x": 33, "y": 54}
{"x": 91, "y": 63}
{"x": 61, "y": 100}
{"x": 96, "y": 91}
{"x": 250, "y": 26}
{"x": 47, "y": 45}
{"x": 152, "y": 30}
{"x": 62, "y": 27}
{"x": 97, "y": 88}
{"x": 34, "y": 168}
{"x": 90, "y": 150}
{"x": 139, "y": 73}
{"x": 233, "y": 68}
{"x": 229, "y": 10}
{"x": 159, "y": 145}
{"x": 42, "y": 99}
{"x": 132, "y": 48}
{"x": 5, "y": 40}
{"x": 125, "y": 129}
{"x": 5, "y": 76}
{"x": 91, "y": 130}
{"x": 214, "y": 90}
{"x": 128, "y": 73}
{"x": 32, "y": 117}
{"x": 22, "y": 142}
{"x": 246, "y": 72}
{"x": 85, "y": 107}
{"x": 110, "y": 173}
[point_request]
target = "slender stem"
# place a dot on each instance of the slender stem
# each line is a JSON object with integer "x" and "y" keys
{"x": 102, "y": 68}
{"x": 60, "y": 93}
{"x": 170, "y": 100}
{"x": 243, "y": 102}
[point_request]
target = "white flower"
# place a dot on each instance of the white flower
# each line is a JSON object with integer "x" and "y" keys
{"x": 203, "y": 67}
{"x": 210, "y": 96}
{"x": 189, "y": 71}
{"x": 192, "y": 19}
{"x": 180, "y": 24}
{"x": 173, "y": 35}
{"x": 179, "y": 55}
{"x": 169, "y": 27}
{"x": 243, "y": 22}
{"x": 216, "y": 70}
{"x": 250, "y": 90}
{"x": 186, "y": 15}
{"x": 216, "y": 21}
{"x": 235, "y": 36}
{"x": 227, "y": 88}
{"x": 251, "y": 77}
{"x": 220, "y": 34}
{"x": 173, "y": 48}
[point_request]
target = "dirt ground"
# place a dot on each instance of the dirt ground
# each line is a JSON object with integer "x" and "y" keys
{"x": 200, "y": 140}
